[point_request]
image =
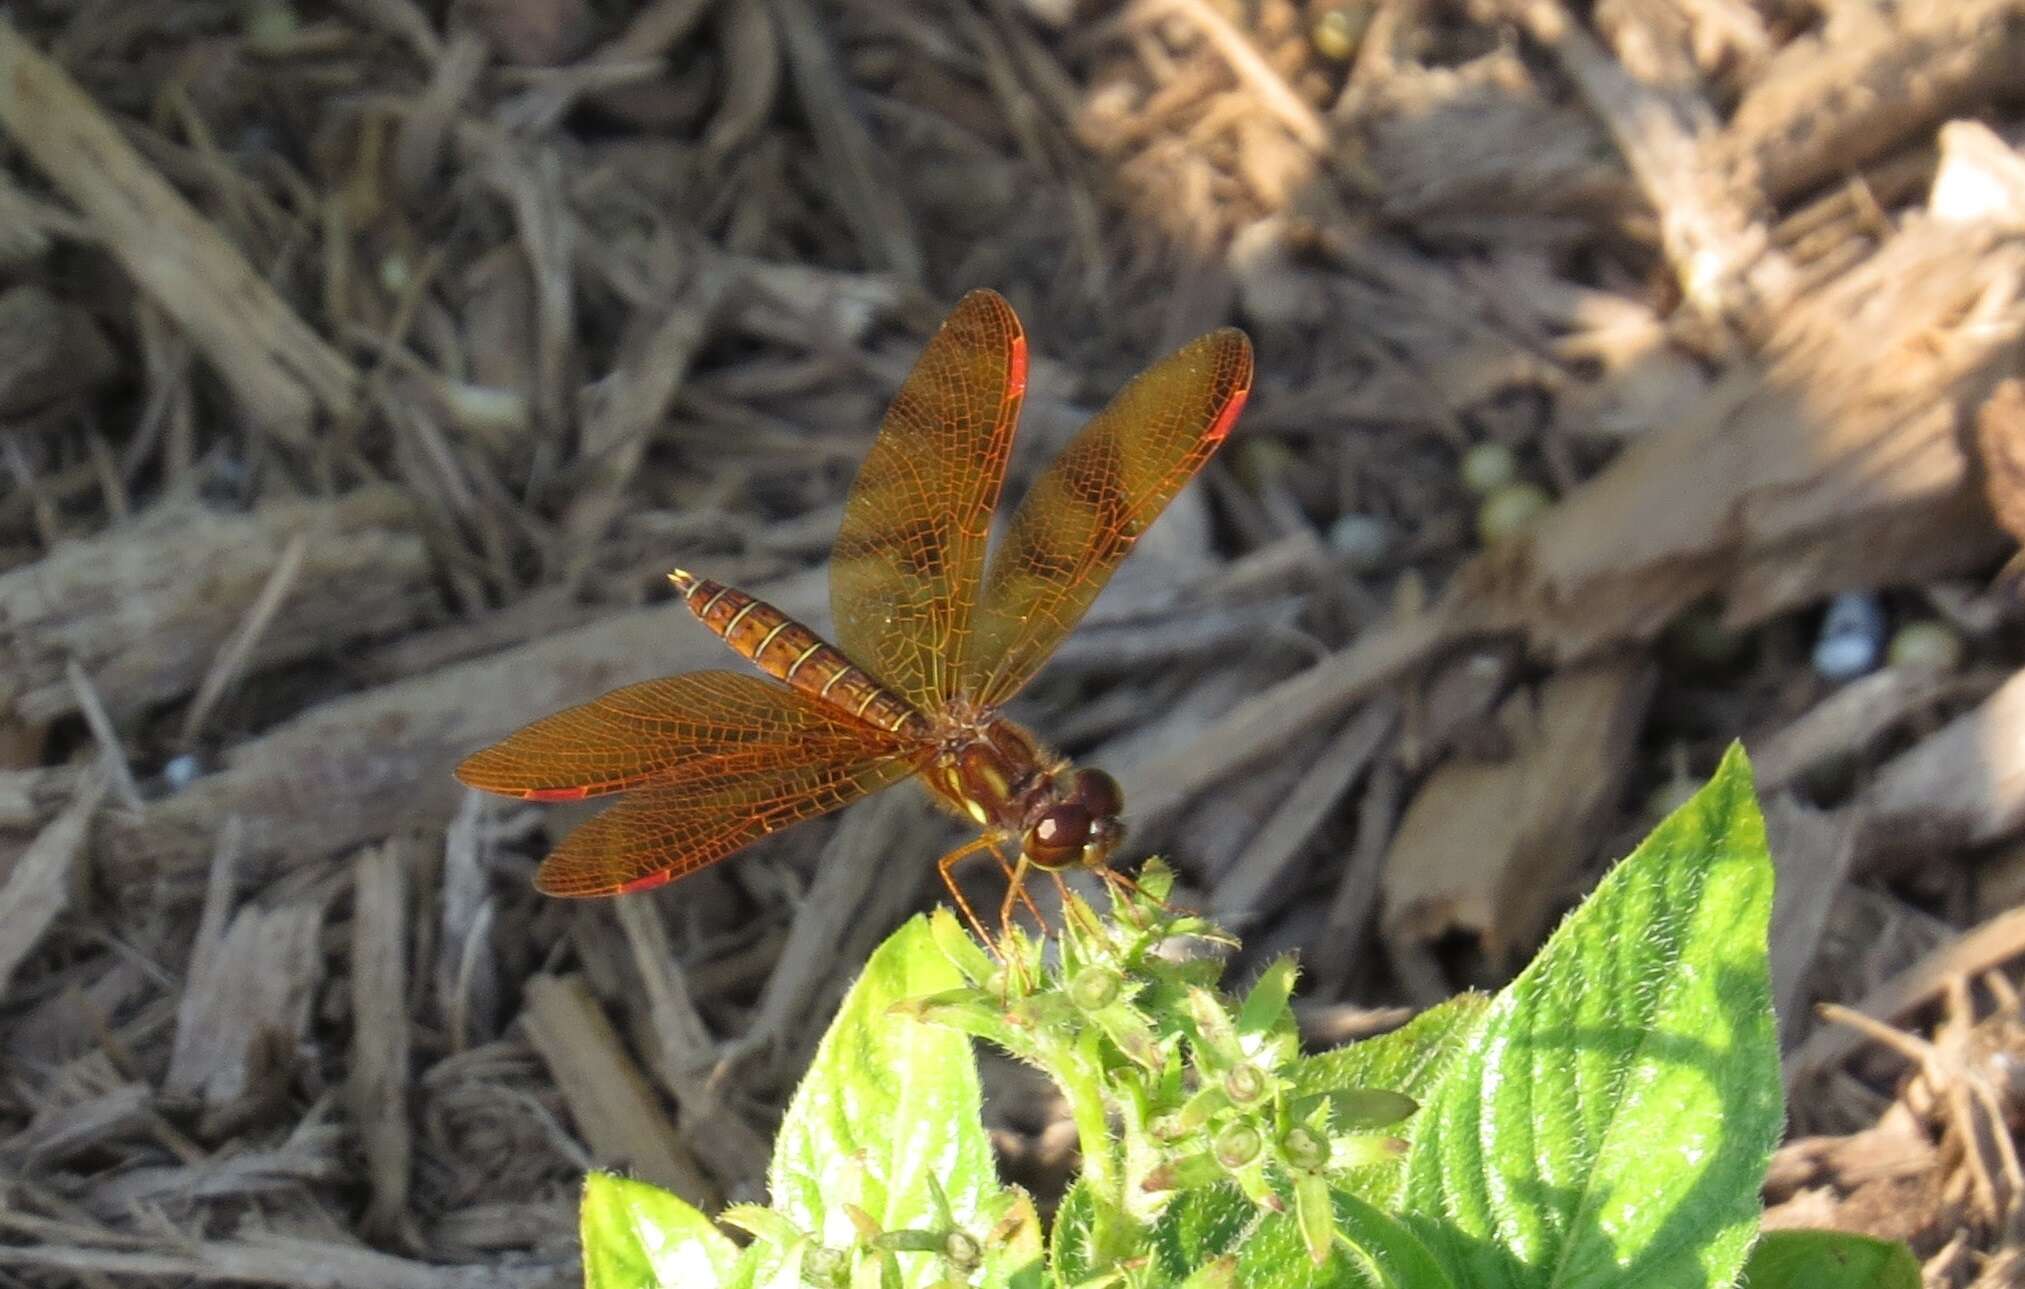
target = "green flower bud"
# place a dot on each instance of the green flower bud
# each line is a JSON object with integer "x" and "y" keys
{"x": 1094, "y": 987}
{"x": 1244, "y": 1084}
{"x": 1238, "y": 1145}
{"x": 825, "y": 1266}
{"x": 961, "y": 1251}
{"x": 1302, "y": 1148}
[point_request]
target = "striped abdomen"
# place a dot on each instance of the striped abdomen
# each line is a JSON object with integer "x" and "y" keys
{"x": 786, "y": 650}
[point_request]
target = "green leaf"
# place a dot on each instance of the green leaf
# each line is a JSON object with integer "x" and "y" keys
{"x": 1315, "y": 1215}
{"x": 1201, "y": 1226}
{"x": 638, "y": 1236}
{"x": 1265, "y": 1009}
{"x": 1359, "y": 1109}
{"x": 1072, "y": 1244}
{"x": 887, "y": 1101}
{"x": 1410, "y": 1060}
{"x": 1829, "y": 1260}
{"x": 1611, "y": 1121}
{"x": 1392, "y": 1255}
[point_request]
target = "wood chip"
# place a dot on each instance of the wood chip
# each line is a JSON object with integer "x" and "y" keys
{"x": 727, "y": 1145}
{"x": 243, "y": 1014}
{"x": 607, "y": 1094}
{"x": 1489, "y": 848}
{"x": 281, "y": 370}
{"x": 1811, "y": 853}
{"x": 40, "y": 884}
{"x": 379, "y": 1083}
{"x": 122, "y": 605}
{"x": 1273, "y": 849}
{"x": 1866, "y": 81}
{"x": 351, "y": 768}
{"x": 1991, "y": 944}
{"x": 871, "y": 200}
{"x": 1961, "y": 786}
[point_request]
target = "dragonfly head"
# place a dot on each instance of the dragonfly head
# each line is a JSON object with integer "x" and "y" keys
{"x": 1081, "y": 827}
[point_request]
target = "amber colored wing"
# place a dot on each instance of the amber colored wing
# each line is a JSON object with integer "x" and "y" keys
{"x": 660, "y": 833}
{"x": 1088, "y": 508}
{"x": 697, "y": 727}
{"x": 904, "y": 575}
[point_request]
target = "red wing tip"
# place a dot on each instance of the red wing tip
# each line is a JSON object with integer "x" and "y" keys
{"x": 1016, "y": 369}
{"x": 553, "y": 794}
{"x": 554, "y": 886}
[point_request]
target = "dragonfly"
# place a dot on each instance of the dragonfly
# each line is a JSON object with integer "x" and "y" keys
{"x": 934, "y": 634}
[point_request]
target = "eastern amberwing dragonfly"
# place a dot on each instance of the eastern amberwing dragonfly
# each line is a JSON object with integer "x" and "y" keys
{"x": 934, "y": 640}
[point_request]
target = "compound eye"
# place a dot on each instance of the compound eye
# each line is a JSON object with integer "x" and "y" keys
{"x": 1057, "y": 838}
{"x": 1098, "y": 793}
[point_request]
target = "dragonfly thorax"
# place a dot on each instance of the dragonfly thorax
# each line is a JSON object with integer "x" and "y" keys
{"x": 999, "y": 776}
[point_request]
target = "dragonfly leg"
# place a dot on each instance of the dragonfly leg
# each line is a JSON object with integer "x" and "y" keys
{"x": 1013, "y": 882}
{"x": 1016, "y": 889}
{"x": 948, "y": 862}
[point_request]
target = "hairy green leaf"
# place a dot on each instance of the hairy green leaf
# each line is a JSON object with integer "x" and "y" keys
{"x": 638, "y": 1236}
{"x": 1611, "y": 1120}
{"x": 888, "y": 1103}
{"x": 1829, "y": 1260}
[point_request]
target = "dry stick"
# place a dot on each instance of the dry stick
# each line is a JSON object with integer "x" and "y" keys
{"x": 1256, "y": 726}
{"x": 1963, "y": 785}
{"x": 1811, "y": 852}
{"x": 868, "y": 194}
{"x": 634, "y": 55}
{"x": 284, "y": 1260}
{"x": 1708, "y": 226}
{"x": 1276, "y": 845}
{"x": 401, "y": 18}
{"x": 228, "y": 662}
{"x": 1302, "y": 121}
{"x": 120, "y": 602}
{"x": 619, "y": 412}
{"x": 277, "y": 366}
{"x": 342, "y": 774}
{"x": 1977, "y": 950}
{"x": 607, "y": 1094}
{"x": 379, "y": 1080}
{"x": 1353, "y": 909}
{"x": 726, "y": 1144}
{"x": 39, "y": 887}
{"x": 464, "y": 911}
{"x": 835, "y": 902}
{"x": 1855, "y": 717}
{"x": 1830, "y": 102}
{"x": 111, "y": 754}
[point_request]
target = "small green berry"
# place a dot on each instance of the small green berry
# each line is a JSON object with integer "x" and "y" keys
{"x": 1510, "y": 511}
{"x": 1488, "y": 467}
{"x": 1929, "y": 645}
{"x": 1338, "y": 30}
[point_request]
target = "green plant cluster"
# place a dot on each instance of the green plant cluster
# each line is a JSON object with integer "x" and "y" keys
{"x": 1605, "y": 1120}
